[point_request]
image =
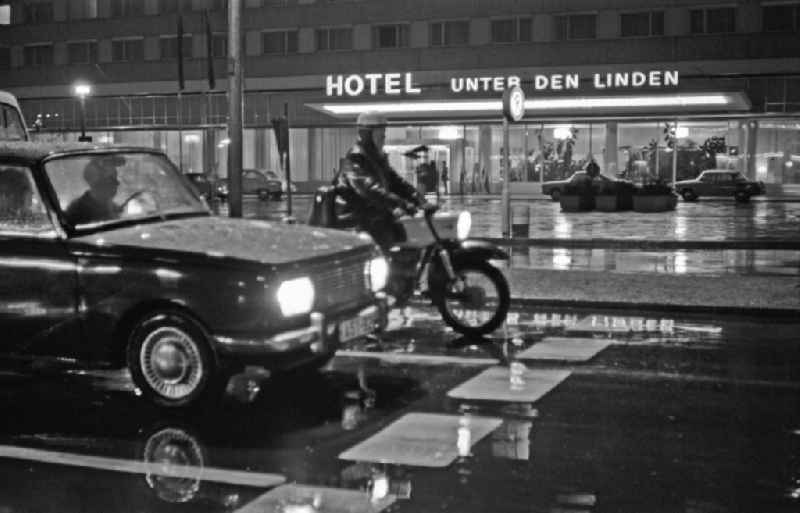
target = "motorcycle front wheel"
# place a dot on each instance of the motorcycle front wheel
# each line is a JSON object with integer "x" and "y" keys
{"x": 477, "y": 302}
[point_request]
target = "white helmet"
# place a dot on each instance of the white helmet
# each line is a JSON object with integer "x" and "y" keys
{"x": 371, "y": 119}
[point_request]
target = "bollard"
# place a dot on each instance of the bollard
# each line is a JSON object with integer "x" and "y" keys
{"x": 520, "y": 221}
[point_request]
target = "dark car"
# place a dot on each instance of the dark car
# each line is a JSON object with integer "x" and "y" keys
{"x": 272, "y": 175}
{"x": 253, "y": 182}
{"x": 202, "y": 184}
{"x": 719, "y": 182}
{"x": 554, "y": 188}
{"x": 109, "y": 258}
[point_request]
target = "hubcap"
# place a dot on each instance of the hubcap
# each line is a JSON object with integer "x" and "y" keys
{"x": 171, "y": 363}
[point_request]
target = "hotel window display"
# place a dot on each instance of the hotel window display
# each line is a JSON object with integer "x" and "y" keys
{"x": 777, "y": 158}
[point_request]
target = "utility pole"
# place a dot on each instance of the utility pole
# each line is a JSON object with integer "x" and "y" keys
{"x": 235, "y": 108}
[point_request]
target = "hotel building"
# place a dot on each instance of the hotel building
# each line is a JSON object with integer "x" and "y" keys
{"x": 621, "y": 81}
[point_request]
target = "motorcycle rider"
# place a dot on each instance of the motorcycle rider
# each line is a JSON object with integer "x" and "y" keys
{"x": 374, "y": 195}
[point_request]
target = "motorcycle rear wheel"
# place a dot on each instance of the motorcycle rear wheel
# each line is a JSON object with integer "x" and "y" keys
{"x": 467, "y": 311}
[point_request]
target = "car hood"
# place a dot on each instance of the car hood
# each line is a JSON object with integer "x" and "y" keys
{"x": 262, "y": 242}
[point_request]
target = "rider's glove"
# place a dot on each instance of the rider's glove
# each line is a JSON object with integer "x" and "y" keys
{"x": 398, "y": 212}
{"x": 410, "y": 208}
{"x": 428, "y": 207}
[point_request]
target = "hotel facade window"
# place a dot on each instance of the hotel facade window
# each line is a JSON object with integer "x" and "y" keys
{"x": 39, "y": 12}
{"x": 173, "y": 6}
{"x": 5, "y": 15}
{"x": 511, "y": 30}
{"x": 123, "y": 8}
{"x": 82, "y": 9}
{"x": 781, "y": 18}
{"x": 82, "y": 52}
{"x": 5, "y": 57}
{"x": 38, "y": 55}
{"x": 449, "y": 33}
{"x": 390, "y": 36}
{"x": 279, "y": 42}
{"x": 219, "y": 45}
{"x": 576, "y": 26}
{"x": 222, "y": 5}
{"x": 712, "y": 21}
{"x": 642, "y": 24}
{"x": 127, "y": 50}
{"x": 334, "y": 38}
{"x": 169, "y": 47}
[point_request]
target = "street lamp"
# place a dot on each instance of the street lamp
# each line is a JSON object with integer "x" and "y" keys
{"x": 82, "y": 91}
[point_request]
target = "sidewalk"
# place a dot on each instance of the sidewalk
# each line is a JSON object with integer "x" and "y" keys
{"x": 772, "y": 296}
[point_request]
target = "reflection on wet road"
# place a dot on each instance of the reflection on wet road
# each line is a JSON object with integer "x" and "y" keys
{"x": 562, "y": 410}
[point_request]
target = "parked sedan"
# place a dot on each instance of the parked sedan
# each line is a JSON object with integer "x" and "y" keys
{"x": 719, "y": 182}
{"x": 272, "y": 175}
{"x": 554, "y": 188}
{"x": 253, "y": 182}
{"x": 109, "y": 258}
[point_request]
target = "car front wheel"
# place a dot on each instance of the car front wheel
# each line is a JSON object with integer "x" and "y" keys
{"x": 742, "y": 196}
{"x": 263, "y": 194}
{"x": 688, "y": 195}
{"x": 170, "y": 360}
{"x": 555, "y": 195}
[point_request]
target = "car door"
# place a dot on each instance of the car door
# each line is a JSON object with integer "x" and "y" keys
{"x": 705, "y": 184}
{"x": 723, "y": 185}
{"x": 38, "y": 278}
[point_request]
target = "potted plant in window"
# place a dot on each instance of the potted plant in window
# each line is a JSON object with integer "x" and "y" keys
{"x": 654, "y": 196}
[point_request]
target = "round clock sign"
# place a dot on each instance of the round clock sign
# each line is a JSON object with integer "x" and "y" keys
{"x": 514, "y": 103}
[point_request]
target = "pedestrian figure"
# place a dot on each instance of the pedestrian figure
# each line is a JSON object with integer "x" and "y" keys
{"x": 485, "y": 179}
{"x": 462, "y": 179}
{"x": 445, "y": 178}
{"x": 592, "y": 169}
{"x": 475, "y": 177}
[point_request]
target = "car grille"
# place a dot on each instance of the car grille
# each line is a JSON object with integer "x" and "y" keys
{"x": 340, "y": 282}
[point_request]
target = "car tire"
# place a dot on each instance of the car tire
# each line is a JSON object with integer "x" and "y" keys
{"x": 171, "y": 361}
{"x": 555, "y": 194}
{"x": 277, "y": 195}
{"x": 742, "y": 196}
{"x": 263, "y": 194}
{"x": 688, "y": 195}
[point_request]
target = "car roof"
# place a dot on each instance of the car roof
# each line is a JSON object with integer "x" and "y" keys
{"x": 35, "y": 151}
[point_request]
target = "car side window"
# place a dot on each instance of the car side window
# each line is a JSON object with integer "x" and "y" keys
{"x": 21, "y": 206}
{"x": 724, "y": 178}
{"x": 707, "y": 178}
{"x": 11, "y": 127}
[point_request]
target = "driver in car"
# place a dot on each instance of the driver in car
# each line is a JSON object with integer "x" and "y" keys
{"x": 97, "y": 203}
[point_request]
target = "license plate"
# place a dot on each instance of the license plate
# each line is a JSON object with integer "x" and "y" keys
{"x": 357, "y": 327}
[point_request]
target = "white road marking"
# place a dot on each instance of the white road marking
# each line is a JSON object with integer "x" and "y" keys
{"x": 319, "y": 499}
{"x": 429, "y": 359}
{"x": 219, "y": 475}
{"x": 564, "y": 349}
{"x": 514, "y": 384}
{"x": 423, "y": 440}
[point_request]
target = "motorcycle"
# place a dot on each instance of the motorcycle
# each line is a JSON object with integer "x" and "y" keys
{"x": 438, "y": 261}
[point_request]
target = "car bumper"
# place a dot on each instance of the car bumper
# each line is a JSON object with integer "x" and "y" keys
{"x": 317, "y": 341}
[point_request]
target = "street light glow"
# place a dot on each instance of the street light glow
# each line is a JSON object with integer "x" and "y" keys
{"x": 83, "y": 90}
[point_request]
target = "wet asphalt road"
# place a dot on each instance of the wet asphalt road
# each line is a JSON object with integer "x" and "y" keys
{"x": 657, "y": 413}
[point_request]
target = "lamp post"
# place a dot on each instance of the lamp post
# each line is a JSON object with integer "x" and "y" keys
{"x": 82, "y": 91}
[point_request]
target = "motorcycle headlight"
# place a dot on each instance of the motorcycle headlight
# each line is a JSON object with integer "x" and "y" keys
{"x": 378, "y": 271}
{"x": 296, "y": 296}
{"x": 463, "y": 226}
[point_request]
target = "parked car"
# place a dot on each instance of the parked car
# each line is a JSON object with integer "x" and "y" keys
{"x": 253, "y": 182}
{"x": 272, "y": 175}
{"x": 153, "y": 282}
{"x": 719, "y": 182}
{"x": 555, "y": 188}
{"x": 202, "y": 184}
{"x": 12, "y": 122}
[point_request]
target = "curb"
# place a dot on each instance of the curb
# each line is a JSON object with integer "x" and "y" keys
{"x": 772, "y": 313}
{"x": 645, "y": 244}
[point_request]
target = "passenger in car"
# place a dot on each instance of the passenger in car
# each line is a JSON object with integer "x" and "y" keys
{"x": 97, "y": 203}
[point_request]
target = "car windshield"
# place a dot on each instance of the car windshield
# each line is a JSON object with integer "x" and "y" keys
{"x": 107, "y": 188}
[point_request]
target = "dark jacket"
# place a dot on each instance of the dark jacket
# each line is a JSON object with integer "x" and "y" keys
{"x": 370, "y": 191}
{"x": 86, "y": 209}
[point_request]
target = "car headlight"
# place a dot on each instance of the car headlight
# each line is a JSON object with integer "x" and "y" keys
{"x": 378, "y": 271}
{"x": 296, "y": 296}
{"x": 464, "y": 225}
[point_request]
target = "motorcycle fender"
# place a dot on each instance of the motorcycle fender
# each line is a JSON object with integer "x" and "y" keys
{"x": 472, "y": 249}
